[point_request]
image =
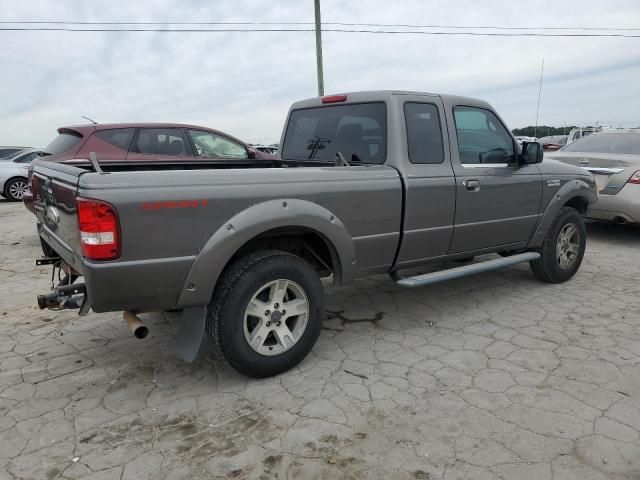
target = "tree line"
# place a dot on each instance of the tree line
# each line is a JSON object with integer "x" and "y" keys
{"x": 542, "y": 131}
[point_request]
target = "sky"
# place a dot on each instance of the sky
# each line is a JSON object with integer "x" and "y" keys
{"x": 244, "y": 82}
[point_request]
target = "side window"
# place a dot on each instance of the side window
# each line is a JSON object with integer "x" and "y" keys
{"x": 424, "y": 136}
{"x": 118, "y": 137}
{"x": 161, "y": 141}
{"x": 211, "y": 145}
{"x": 481, "y": 137}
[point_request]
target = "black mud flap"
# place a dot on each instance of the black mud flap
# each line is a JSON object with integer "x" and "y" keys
{"x": 192, "y": 321}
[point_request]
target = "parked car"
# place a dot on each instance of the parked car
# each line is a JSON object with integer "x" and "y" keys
{"x": 6, "y": 152}
{"x": 520, "y": 139}
{"x": 13, "y": 174}
{"x": 613, "y": 156}
{"x": 580, "y": 132}
{"x": 368, "y": 183}
{"x": 270, "y": 149}
{"x": 553, "y": 142}
{"x": 140, "y": 143}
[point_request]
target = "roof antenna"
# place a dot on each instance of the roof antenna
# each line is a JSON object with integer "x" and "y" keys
{"x": 92, "y": 121}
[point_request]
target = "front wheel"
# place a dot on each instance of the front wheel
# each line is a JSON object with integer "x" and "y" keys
{"x": 562, "y": 249}
{"x": 266, "y": 313}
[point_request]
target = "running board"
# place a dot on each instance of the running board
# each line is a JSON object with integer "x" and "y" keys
{"x": 488, "y": 265}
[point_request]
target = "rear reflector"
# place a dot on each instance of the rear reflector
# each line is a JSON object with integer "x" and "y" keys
{"x": 99, "y": 229}
{"x": 635, "y": 178}
{"x": 334, "y": 99}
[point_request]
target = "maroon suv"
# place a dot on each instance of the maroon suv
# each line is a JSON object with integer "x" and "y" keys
{"x": 133, "y": 142}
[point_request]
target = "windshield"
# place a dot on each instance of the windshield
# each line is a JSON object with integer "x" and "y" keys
{"x": 619, "y": 143}
{"x": 357, "y": 131}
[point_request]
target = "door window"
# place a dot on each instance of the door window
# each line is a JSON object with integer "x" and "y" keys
{"x": 161, "y": 141}
{"x": 482, "y": 139}
{"x": 211, "y": 145}
{"x": 424, "y": 136}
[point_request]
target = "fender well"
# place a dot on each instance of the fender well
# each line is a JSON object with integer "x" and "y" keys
{"x": 578, "y": 194}
{"x": 297, "y": 226}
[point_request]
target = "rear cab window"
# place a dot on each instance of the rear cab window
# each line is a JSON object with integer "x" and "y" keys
{"x": 424, "y": 134}
{"x": 357, "y": 131}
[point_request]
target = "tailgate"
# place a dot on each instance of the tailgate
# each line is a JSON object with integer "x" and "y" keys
{"x": 54, "y": 187}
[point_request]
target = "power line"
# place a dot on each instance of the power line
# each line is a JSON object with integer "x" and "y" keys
{"x": 331, "y": 30}
{"x": 344, "y": 24}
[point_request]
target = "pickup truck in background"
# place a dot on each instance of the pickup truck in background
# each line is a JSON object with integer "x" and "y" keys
{"x": 367, "y": 183}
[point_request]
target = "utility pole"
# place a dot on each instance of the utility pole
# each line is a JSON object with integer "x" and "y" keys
{"x": 535, "y": 130}
{"x": 319, "y": 49}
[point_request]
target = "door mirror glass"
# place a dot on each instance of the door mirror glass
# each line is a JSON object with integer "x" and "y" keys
{"x": 531, "y": 153}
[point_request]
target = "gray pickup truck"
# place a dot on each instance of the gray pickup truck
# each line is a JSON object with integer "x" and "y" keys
{"x": 368, "y": 183}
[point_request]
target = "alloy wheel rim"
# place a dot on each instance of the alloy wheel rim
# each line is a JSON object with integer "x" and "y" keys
{"x": 17, "y": 190}
{"x": 276, "y": 317}
{"x": 568, "y": 246}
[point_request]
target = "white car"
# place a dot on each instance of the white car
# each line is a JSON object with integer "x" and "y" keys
{"x": 13, "y": 174}
{"x": 521, "y": 139}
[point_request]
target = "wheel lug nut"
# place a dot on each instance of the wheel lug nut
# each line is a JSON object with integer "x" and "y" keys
{"x": 267, "y": 312}
{"x": 268, "y": 324}
{"x": 276, "y": 306}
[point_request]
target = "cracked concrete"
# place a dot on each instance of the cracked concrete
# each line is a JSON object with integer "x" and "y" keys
{"x": 495, "y": 376}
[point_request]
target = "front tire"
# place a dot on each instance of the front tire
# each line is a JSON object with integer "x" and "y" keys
{"x": 15, "y": 188}
{"x": 266, "y": 313}
{"x": 563, "y": 248}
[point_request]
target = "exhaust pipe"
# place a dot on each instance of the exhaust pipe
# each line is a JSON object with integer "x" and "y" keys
{"x": 135, "y": 324}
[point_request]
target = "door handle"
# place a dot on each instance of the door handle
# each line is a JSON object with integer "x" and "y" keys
{"x": 472, "y": 185}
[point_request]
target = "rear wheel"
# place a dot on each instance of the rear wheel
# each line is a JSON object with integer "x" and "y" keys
{"x": 15, "y": 188}
{"x": 562, "y": 249}
{"x": 267, "y": 312}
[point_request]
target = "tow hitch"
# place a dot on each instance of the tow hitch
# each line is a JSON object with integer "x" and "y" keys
{"x": 66, "y": 294}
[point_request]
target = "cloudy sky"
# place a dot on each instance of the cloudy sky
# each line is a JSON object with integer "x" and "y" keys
{"x": 243, "y": 83}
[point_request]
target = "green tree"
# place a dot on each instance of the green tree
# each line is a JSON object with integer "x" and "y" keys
{"x": 541, "y": 131}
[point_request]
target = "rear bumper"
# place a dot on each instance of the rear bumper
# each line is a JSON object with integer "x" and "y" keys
{"x": 625, "y": 204}
{"x": 142, "y": 285}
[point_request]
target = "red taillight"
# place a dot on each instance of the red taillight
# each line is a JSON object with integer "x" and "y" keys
{"x": 99, "y": 230}
{"x": 635, "y": 178}
{"x": 334, "y": 99}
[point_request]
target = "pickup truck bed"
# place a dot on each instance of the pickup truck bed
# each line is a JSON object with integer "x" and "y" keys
{"x": 369, "y": 182}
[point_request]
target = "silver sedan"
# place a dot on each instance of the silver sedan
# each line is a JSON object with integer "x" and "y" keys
{"x": 13, "y": 174}
{"x": 613, "y": 157}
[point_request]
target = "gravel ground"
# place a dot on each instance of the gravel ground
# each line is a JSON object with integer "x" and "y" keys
{"x": 495, "y": 376}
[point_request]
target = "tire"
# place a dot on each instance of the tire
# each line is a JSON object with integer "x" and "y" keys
{"x": 548, "y": 267}
{"x": 250, "y": 281}
{"x": 14, "y": 189}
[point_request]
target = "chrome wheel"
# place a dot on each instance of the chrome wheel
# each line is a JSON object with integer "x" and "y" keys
{"x": 17, "y": 189}
{"x": 276, "y": 317}
{"x": 568, "y": 246}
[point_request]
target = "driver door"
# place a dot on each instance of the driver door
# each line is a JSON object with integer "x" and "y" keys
{"x": 497, "y": 199}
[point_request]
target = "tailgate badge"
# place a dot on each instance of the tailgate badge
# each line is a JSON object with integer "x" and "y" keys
{"x": 52, "y": 216}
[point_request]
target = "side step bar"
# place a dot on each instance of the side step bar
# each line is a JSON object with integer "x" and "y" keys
{"x": 488, "y": 265}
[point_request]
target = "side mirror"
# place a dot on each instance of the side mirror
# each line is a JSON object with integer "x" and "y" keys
{"x": 251, "y": 153}
{"x": 531, "y": 153}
